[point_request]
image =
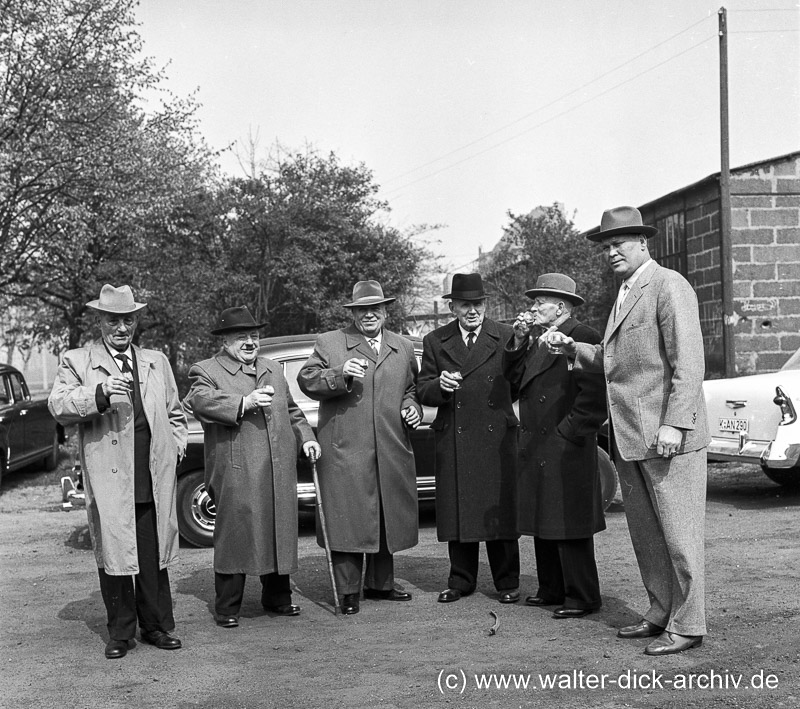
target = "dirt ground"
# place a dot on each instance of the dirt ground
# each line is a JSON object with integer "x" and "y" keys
{"x": 417, "y": 654}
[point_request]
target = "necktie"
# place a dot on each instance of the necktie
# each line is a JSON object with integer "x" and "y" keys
{"x": 374, "y": 345}
{"x": 470, "y": 340}
{"x": 623, "y": 291}
{"x": 125, "y": 367}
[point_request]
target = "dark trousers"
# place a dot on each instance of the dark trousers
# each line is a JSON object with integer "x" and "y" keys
{"x": 144, "y": 596}
{"x": 567, "y": 572}
{"x": 379, "y": 575}
{"x": 275, "y": 591}
{"x": 503, "y": 561}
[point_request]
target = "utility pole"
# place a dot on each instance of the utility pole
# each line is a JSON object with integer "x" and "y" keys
{"x": 725, "y": 250}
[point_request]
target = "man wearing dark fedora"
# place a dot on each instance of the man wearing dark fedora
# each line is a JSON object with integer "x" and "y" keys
{"x": 254, "y": 432}
{"x": 476, "y": 450}
{"x": 132, "y": 432}
{"x": 364, "y": 378}
{"x": 652, "y": 358}
{"x": 561, "y": 410}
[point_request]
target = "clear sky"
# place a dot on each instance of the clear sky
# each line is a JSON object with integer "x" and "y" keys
{"x": 465, "y": 109}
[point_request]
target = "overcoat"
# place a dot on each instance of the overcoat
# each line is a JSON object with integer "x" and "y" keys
{"x": 251, "y": 463}
{"x": 476, "y": 434}
{"x": 560, "y": 411}
{"x": 106, "y": 450}
{"x": 367, "y": 460}
{"x": 653, "y": 359}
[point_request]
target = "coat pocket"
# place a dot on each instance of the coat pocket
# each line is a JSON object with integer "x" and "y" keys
{"x": 651, "y": 414}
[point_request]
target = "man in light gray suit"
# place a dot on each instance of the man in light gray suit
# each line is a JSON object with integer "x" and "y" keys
{"x": 652, "y": 357}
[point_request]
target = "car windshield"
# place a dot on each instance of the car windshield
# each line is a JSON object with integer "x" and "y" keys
{"x": 793, "y": 362}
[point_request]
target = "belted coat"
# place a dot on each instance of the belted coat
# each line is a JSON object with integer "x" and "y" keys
{"x": 560, "y": 411}
{"x": 105, "y": 442}
{"x": 476, "y": 434}
{"x": 367, "y": 459}
{"x": 251, "y": 463}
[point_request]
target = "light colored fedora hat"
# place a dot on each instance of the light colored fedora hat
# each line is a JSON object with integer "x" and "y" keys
{"x": 622, "y": 220}
{"x": 556, "y": 285}
{"x": 116, "y": 300}
{"x": 368, "y": 293}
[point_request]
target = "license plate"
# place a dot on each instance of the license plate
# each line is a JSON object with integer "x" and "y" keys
{"x": 733, "y": 425}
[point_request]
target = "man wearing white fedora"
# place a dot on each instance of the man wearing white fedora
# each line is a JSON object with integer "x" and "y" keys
{"x": 132, "y": 432}
{"x": 364, "y": 377}
{"x": 652, "y": 358}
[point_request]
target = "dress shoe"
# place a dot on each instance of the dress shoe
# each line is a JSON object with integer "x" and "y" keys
{"x": 284, "y": 609}
{"x": 642, "y": 629}
{"x": 162, "y": 640}
{"x": 669, "y": 643}
{"x": 350, "y": 604}
{"x": 449, "y": 595}
{"x": 571, "y": 612}
{"x": 230, "y": 621}
{"x": 391, "y": 594}
{"x": 539, "y": 601}
{"x": 509, "y": 596}
{"x": 116, "y": 649}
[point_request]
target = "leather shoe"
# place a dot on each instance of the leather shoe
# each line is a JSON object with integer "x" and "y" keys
{"x": 230, "y": 621}
{"x": 509, "y": 596}
{"x": 285, "y": 609}
{"x": 391, "y": 594}
{"x": 116, "y": 649}
{"x": 449, "y": 595}
{"x": 350, "y": 604}
{"x": 669, "y": 643}
{"x": 539, "y": 601}
{"x": 571, "y": 612}
{"x": 162, "y": 640}
{"x": 642, "y": 629}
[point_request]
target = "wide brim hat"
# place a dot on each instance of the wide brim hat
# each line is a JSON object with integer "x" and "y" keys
{"x": 556, "y": 285}
{"x": 466, "y": 286}
{"x": 237, "y": 318}
{"x": 368, "y": 293}
{"x": 622, "y": 220}
{"x": 118, "y": 301}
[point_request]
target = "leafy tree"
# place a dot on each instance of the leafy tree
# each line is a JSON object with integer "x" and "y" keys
{"x": 546, "y": 241}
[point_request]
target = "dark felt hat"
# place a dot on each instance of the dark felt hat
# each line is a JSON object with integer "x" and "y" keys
{"x": 238, "y": 318}
{"x": 466, "y": 286}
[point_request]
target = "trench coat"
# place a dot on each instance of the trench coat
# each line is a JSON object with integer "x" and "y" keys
{"x": 105, "y": 441}
{"x": 560, "y": 411}
{"x": 367, "y": 462}
{"x": 476, "y": 434}
{"x": 251, "y": 463}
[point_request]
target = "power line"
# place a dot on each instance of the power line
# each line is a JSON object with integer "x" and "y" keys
{"x": 547, "y": 105}
{"x": 549, "y": 120}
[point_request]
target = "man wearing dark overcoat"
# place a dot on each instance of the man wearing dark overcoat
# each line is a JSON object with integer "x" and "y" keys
{"x": 254, "y": 432}
{"x": 364, "y": 378}
{"x": 561, "y": 410}
{"x": 476, "y": 450}
{"x": 132, "y": 432}
{"x": 653, "y": 361}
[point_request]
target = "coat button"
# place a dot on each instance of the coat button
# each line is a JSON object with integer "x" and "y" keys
{"x": 544, "y": 430}
{"x": 490, "y": 377}
{"x": 113, "y": 470}
{"x": 459, "y": 429}
{"x": 542, "y": 399}
{"x": 114, "y": 442}
{"x": 523, "y": 429}
{"x": 491, "y": 428}
{"x": 541, "y": 464}
{"x": 490, "y": 402}
{"x": 524, "y": 397}
{"x": 458, "y": 405}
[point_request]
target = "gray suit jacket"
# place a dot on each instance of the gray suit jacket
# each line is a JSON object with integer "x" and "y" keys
{"x": 653, "y": 360}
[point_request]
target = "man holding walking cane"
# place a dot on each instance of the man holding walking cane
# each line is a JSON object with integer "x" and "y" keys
{"x": 364, "y": 378}
{"x": 253, "y": 433}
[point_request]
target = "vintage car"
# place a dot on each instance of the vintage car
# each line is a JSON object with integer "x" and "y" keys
{"x": 196, "y": 511}
{"x": 28, "y": 433}
{"x": 754, "y": 419}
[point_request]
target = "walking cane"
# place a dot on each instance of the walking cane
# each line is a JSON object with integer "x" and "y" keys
{"x": 321, "y": 509}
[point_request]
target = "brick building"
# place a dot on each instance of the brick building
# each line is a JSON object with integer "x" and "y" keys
{"x": 765, "y": 237}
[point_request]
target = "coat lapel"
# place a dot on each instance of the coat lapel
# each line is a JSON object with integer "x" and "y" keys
{"x": 540, "y": 359}
{"x": 355, "y": 341}
{"x": 453, "y": 345}
{"x": 630, "y": 301}
{"x": 484, "y": 348}
{"x": 389, "y": 344}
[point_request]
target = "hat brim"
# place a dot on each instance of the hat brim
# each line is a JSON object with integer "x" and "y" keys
{"x": 233, "y": 328}
{"x": 369, "y": 300}
{"x": 573, "y": 297}
{"x": 466, "y": 295}
{"x": 95, "y": 305}
{"x": 646, "y": 231}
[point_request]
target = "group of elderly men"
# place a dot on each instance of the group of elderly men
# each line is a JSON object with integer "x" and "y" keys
{"x": 497, "y": 476}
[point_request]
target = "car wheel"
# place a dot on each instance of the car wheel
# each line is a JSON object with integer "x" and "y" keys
{"x": 788, "y": 477}
{"x": 196, "y": 511}
{"x": 608, "y": 478}
{"x": 51, "y": 459}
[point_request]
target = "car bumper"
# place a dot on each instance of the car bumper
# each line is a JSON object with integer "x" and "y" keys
{"x": 781, "y": 456}
{"x": 307, "y": 493}
{"x": 737, "y": 449}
